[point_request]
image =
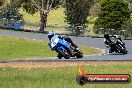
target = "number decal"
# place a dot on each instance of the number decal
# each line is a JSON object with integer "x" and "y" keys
{"x": 54, "y": 41}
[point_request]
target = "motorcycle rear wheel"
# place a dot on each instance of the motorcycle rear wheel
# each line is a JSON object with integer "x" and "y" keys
{"x": 79, "y": 54}
{"x": 124, "y": 51}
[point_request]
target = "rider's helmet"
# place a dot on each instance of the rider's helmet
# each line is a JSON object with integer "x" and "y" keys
{"x": 50, "y": 35}
{"x": 106, "y": 35}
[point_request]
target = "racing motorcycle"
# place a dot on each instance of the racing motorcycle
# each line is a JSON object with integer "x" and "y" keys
{"x": 116, "y": 45}
{"x": 64, "y": 48}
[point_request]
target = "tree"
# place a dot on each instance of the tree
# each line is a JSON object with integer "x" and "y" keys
{"x": 11, "y": 15}
{"x": 44, "y": 6}
{"x": 95, "y": 9}
{"x": 76, "y": 13}
{"x": 114, "y": 15}
{"x": 130, "y": 5}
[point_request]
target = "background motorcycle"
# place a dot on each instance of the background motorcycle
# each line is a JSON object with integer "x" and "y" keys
{"x": 117, "y": 45}
{"x": 64, "y": 48}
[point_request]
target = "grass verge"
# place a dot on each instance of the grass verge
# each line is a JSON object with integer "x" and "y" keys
{"x": 61, "y": 77}
{"x": 12, "y": 47}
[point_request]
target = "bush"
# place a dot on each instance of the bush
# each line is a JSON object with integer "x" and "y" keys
{"x": 114, "y": 15}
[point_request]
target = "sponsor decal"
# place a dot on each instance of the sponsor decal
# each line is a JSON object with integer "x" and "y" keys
{"x": 83, "y": 78}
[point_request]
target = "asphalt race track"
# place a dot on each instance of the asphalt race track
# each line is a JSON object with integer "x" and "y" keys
{"x": 87, "y": 41}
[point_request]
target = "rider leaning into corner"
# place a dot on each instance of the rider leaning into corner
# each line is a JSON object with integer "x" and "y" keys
{"x": 51, "y": 34}
{"x": 108, "y": 41}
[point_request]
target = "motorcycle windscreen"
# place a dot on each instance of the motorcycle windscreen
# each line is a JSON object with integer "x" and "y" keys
{"x": 114, "y": 40}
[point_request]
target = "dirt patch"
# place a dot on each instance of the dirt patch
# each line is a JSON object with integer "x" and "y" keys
{"x": 39, "y": 64}
{"x": 55, "y": 64}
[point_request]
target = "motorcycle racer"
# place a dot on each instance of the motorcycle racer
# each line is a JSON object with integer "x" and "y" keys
{"x": 73, "y": 48}
{"x": 68, "y": 39}
{"x": 108, "y": 41}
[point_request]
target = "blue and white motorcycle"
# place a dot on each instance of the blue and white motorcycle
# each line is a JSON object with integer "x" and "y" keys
{"x": 64, "y": 48}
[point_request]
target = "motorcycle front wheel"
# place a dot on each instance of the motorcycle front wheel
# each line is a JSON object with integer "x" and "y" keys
{"x": 124, "y": 51}
{"x": 65, "y": 54}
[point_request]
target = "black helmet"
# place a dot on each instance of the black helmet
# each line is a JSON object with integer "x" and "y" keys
{"x": 106, "y": 35}
{"x": 50, "y": 35}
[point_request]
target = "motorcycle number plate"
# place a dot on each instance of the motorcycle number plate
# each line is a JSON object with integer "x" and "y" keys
{"x": 54, "y": 42}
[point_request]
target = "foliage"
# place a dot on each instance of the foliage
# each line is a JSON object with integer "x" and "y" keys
{"x": 95, "y": 9}
{"x": 130, "y": 7}
{"x": 32, "y": 6}
{"x": 3, "y": 2}
{"x": 28, "y": 6}
{"x": 11, "y": 15}
{"x": 76, "y": 13}
{"x": 114, "y": 15}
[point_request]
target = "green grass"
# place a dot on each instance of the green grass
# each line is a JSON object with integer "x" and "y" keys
{"x": 89, "y": 51}
{"x": 12, "y": 47}
{"x": 60, "y": 77}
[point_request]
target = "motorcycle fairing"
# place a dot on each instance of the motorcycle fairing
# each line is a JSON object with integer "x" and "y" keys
{"x": 59, "y": 43}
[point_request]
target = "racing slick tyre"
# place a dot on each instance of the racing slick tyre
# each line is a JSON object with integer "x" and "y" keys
{"x": 124, "y": 51}
{"x": 59, "y": 56}
{"x": 79, "y": 54}
{"x": 64, "y": 54}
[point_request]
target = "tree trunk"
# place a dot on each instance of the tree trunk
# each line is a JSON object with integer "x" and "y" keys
{"x": 43, "y": 21}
